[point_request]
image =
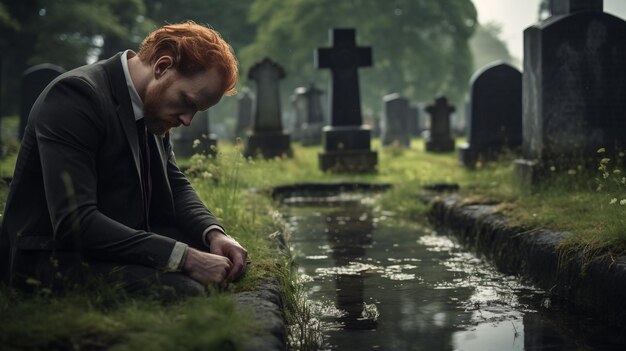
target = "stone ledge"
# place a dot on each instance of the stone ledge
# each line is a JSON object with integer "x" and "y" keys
{"x": 266, "y": 304}
{"x": 598, "y": 287}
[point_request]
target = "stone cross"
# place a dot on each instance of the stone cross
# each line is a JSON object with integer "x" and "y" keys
{"x": 244, "y": 113}
{"x": 34, "y": 81}
{"x": 396, "y": 121}
{"x": 440, "y": 139}
{"x": 564, "y": 7}
{"x": 343, "y": 59}
{"x": 346, "y": 141}
{"x": 268, "y": 137}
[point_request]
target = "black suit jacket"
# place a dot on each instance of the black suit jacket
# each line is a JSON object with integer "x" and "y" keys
{"x": 77, "y": 181}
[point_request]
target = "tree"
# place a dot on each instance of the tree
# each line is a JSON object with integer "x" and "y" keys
{"x": 420, "y": 47}
{"x": 486, "y": 46}
{"x": 63, "y": 32}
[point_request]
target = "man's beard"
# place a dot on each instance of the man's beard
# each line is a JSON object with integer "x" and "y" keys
{"x": 151, "y": 106}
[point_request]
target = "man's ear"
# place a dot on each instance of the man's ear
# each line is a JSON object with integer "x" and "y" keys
{"x": 161, "y": 65}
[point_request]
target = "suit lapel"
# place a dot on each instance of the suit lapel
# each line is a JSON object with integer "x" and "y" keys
{"x": 124, "y": 107}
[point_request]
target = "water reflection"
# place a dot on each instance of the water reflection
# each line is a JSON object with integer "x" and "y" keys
{"x": 391, "y": 285}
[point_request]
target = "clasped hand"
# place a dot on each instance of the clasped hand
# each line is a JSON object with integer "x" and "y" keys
{"x": 225, "y": 262}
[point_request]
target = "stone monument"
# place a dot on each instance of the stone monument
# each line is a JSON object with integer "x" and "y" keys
{"x": 396, "y": 128}
{"x": 346, "y": 141}
{"x": 439, "y": 139}
{"x": 195, "y": 139}
{"x": 574, "y": 84}
{"x": 308, "y": 106}
{"x": 267, "y": 137}
{"x": 244, "y": 114}
{"x": 34, "y": 81}
{"x": 494, "y": 114}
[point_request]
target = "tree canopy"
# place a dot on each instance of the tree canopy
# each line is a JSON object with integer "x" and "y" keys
{"x": 420, "y": 47}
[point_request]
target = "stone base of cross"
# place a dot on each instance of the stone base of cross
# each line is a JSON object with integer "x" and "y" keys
{"x": 268, "y": 145}
{"x": 440, "y": 145}
{"x": 347, "y": 149}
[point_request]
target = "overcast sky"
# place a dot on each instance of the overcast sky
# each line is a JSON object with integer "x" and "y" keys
{"x": 515, "y": 15}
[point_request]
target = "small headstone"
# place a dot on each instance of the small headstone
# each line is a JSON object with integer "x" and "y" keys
{"x": 495, "y": 114}
{"x": 307, "y": 103}
{"x": 574, "y": 84}
{"x": 346, "y": 141}
{"x": 396, "y": 129}
{"x": 439, "y": 139}
{"x": 244, "y": 114}
{"x": 34, "y": 81}
{"x": 414, "y": 123}
{"x": 195, "y": 139}
{"x": 267, "y": 137}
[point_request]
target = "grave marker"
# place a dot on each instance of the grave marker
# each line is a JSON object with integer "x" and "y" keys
{"x": 244, "y": 114}
{"x": 267, "y": 137}
{"x": 310, "y": 115}
{"x": 574, "y": 84}
{"x": 439, "y": 139}
{"x": 396, "y": 129}
{"x": 346, "y": 140}
{"x": 34, "y": 81}
{"x": 495, "y": 113}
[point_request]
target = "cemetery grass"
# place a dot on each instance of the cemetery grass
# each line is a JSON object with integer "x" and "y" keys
{"x": 237, "y": 191}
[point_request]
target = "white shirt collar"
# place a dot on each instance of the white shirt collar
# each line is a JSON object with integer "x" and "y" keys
{"x": 134, "y": 96}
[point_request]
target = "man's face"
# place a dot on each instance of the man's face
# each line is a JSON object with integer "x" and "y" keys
{"x": 173, "y": 99}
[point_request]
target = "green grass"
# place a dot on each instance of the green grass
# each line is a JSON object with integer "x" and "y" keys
{"x": 109, "y": 319}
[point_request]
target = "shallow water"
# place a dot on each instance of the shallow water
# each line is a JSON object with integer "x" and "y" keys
{"x": 386, "y": 284}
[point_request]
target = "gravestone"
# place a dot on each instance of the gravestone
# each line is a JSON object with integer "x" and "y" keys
{"x": 414, "y": 116}
{"x": 244, "y": 114}
{"x": 34, "y": 81}
{"x": 494, "y": 114}
{"x": 195, "y": 139}
{"x": 346, "y": 141}
{"x": 267, "y": 137}
{"x": 574, "y": 84}
{"x": 310, "y": 115}
{"x": 395, "y": 124}
{"x": 439, "y": 139}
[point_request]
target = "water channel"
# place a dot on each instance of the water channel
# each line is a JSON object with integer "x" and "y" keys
{"x": 381, "y": 283}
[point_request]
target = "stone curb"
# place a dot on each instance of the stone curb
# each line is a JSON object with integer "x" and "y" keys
{"x": 598, "y": 287}
{"x": 267, "y": 306}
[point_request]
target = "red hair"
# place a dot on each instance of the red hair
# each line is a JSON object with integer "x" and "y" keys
{"x": 194, "y": 49}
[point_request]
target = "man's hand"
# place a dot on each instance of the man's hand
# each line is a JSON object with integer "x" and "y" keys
{"x": 226, "y": 246}
{"x": 205, "y": 267}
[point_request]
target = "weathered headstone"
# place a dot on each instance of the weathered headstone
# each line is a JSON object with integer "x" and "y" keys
{"x": 34, "y": 81}
{"x": 244, "y": 114}
{"x": 396, "y": 121}
{"x": 414, "y": 116}
{"x": 495, "y": 114}
{"x": 439, "y": 139}
{"x": 574, "y": 84}
{"x": 346, "y": 141}
{"x": 195, "y": 139}
{"x": 307, "y": 103}
{"x": 267, "y": 137}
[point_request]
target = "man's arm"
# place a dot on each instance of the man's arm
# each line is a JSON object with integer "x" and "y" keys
{"x": 70, "y": 130}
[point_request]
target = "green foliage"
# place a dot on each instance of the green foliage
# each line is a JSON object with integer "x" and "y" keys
{"x": 486, "y": 46}
{"x": 420, "y": 47}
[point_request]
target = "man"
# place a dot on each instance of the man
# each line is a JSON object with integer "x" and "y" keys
{"x": 96, "y": 184}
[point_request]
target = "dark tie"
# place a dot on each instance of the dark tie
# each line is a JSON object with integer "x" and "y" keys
{"x": 146, "y": 179}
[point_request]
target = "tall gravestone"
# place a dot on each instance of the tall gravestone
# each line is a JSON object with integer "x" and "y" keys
{"x": 346, "y": 141}
{"x": 440, "y": 139}
{"x": 195, "y": 139}
{"x": 244, "y": 114}
{"x": 34, "y": 81}
{"x": 396, "y": 128}
{"x": 574, "y": 85}
{"x": 310, "y": 115}
{"x": 267, "y": 138}
{"x": 494, "y": 114}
